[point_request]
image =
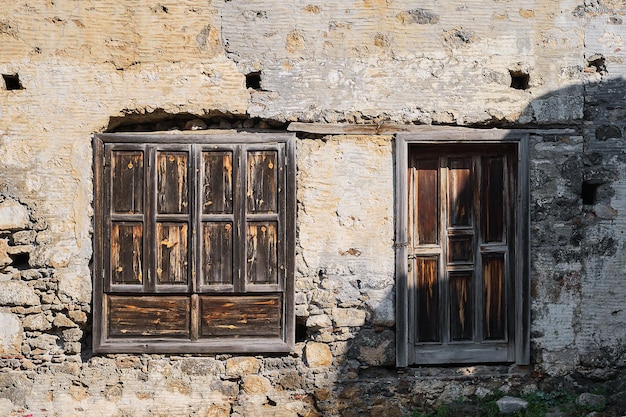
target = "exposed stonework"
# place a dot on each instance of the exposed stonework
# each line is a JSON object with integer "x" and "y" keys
{"x": 74, "y": 68}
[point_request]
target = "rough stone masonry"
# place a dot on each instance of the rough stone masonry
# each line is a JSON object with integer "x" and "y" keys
{"x": 71, "y": 69}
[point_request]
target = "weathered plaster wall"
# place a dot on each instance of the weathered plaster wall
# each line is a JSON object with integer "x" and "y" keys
{"x": 80, "y": 64}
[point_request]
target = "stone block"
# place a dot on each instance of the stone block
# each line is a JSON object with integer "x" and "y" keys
{"x": 589, "y": 400}
{"x": 10, "y": 334}
{"x": 62, "y": 321}
{"x": 242, "y": 366}
{"x": 17, "y": 293}
{"x": 255, "y": 384}
{"x": 348, "y": 317}
{"x": 15, "y": 387}
{"x": 5, "y": 259}
{"x": 218, "y": 410}
{"x": 317, "y": 354}
{"x": 319, "y": 321}
{"x": 36, "y": 322}
{"x": 13, "y": 215}
{"x": 510, "y": 405}
{"x": 200, "y": 366}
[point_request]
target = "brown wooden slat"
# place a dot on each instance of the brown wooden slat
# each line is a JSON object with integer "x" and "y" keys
{"x": 127, "y": 182}
{"x": 427, "y": 194}
{"x": 428, "y": 322}
{"x": 217, "y": 195}
{"x": 461, "y": 306}
{"x": 494, "y": 313}
{"x": 240, "y": 316}
{"x": 172, "y": 248}
{"x": 460, "y": 192}
{"x": 262, "y": 179}
{"x": 148, "y": 316}
{"x": 261, "y": 248}
{"x": 126, "y": 253}
{"x": 172, "y": 182}
{"x": 492, "y": 195}
{"x": 217, "y": 253}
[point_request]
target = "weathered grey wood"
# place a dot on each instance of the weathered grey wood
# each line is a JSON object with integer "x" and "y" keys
{"x": 404, "y": 355}
{"x": 217, "y": 250}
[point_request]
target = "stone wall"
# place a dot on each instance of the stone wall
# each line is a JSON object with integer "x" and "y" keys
{"x": 71, "y": 69}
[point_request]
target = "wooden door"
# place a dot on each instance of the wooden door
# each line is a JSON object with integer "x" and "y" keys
{"x": 461, "y": 253}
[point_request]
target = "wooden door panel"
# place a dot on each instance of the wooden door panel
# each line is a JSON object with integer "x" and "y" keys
{"x": 217, "y": 253}
{"x": 426, "y": 185}
{"x": 241, "y": 316}
{"x": 427, "y": 299}
{"x": 461, "y": 306}
{"x": 127, "y": 253}
{"x": 172, "y": 182}
{"x": 127, "y": 182}
{"x": 460, "y": 249}
{"x": 262, "y": 253}
{"x": 172, "y": 253}
{"x": 217, "y": 171}
{"x": 492, "y": 195}
{"x": 494, "y": 309}
{"x": 460, "y": 193}
{"x": 262, "y": 181}
{"x": 148, "y": 316}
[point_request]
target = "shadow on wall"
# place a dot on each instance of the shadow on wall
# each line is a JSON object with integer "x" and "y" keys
{"x": 577, "y": 194}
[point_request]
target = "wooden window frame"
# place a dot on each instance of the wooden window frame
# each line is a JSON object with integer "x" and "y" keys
{"x": 197, "y": 296}
{"x": 442, "y": 136}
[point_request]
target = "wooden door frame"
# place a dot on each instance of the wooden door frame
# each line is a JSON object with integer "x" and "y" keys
{"x": 463, "y": 136}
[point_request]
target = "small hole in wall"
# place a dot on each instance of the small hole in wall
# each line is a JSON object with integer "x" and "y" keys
{"x": 20, "y": 261}
{"x": 253, "y": 80}
{"x": 12, "y": 82}
{"x": 588, "y": 193}
{"x": 519, "y": 80}
{"x": 300, "y": 329}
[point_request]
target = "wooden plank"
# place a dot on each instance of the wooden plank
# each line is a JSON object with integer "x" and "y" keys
{"x": 127, "y": 182}
{"x": 461, "y": 306}
{"x": 217, "y": 253}
{"x": 241, "y": 316}
{"x": 428, "y": 314}
{"x": 262, "y": 178}
{"x": 262, "y": 253}
{"x": 126, "y": 253}
{"x": 172, "y": 263}
{"x": 172, "y": 182}
{"x": 494, "y": 309}
{"x": 217, "y": 184}
{"x": 148, "y": 316}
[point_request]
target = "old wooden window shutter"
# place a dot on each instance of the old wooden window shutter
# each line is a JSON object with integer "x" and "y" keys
{"x": 462, "y": 239}
{"x": 194, "y": 242}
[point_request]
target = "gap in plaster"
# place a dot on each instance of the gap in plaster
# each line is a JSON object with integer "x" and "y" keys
{"x": 301, "y": 329}
{"x": 160, "y": 120}
{"x": 20, "y": 261}
{"x": 12, "y": 82}
{"x": 588, "y": 193}
{"x": 519, "y": 80}
{"x": 253, "y": 80}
